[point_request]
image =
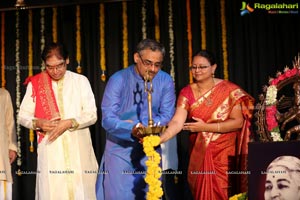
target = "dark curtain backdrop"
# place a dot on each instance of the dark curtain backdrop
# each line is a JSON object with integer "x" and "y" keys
{"x": 258, "y": 45}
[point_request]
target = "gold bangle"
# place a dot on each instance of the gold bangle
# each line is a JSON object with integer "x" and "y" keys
{"x": 74, "y": 125}
{"x": 34, "y": 125}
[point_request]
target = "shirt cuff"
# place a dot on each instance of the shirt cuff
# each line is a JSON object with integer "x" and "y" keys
{"x": 74, "y": 125}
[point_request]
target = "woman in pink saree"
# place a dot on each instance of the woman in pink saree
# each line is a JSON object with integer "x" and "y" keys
{"x": 219, "y": 115}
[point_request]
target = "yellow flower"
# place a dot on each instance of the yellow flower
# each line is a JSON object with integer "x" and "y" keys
{"x": 241, "y": 196}
{"x": 153, "y": 173}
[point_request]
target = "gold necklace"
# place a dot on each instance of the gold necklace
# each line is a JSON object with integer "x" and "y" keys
{"x": 208, "y": 100}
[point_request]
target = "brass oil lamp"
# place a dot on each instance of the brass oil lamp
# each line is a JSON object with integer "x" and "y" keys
{"x": 151, "y": 129}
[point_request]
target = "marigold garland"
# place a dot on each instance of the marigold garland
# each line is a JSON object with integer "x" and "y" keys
{"x": 203, "y": 24}
{"x": 171, "y": 36}
{"x": 189, "y": 35}
{"x": 125, "y": 34}
{"x": 18, "y": 92}
{"x": 78, "y": 40}
{"x": 153, "y": 173}
{"x": 3, "y": 81}
{"x": 54, "y": 24}
{"x": 102, "y": 42}
{"x": 30, "y": 70}
{"x": 241, "y": 196}
{"x": 224, "y": 41}
{"x": 144, "y": 14}
{"x": 30, "y": 53}
{"x": 156, "y": 20}
{"x": 42, "y": 31}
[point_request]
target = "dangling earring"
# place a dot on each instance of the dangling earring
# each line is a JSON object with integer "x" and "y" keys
{"x": 213, "y": 75}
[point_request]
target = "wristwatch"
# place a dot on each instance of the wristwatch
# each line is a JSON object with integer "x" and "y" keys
{"x": 34, "y": 125}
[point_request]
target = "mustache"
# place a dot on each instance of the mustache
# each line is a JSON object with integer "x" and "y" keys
{"x": 150, "y": 72}
{"x": 149, "y": 75}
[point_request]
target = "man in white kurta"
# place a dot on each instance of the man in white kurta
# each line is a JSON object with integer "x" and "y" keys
{"x": 67, "y": 166}
{"x": 8, "y": 144}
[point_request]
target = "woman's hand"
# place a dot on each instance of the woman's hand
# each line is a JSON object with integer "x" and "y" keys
{"x": 233, "y": 123}
{"x": 196, "y": 126}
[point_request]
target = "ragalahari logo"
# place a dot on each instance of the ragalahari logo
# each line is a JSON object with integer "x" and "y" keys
{"x": 270, "y": 8}
{"x": 246, "y": 9}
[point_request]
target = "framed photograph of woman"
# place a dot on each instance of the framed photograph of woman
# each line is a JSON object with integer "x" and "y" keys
{"x": 274, "y": 170}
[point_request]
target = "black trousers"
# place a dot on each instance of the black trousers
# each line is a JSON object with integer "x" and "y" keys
{"x": 170, "y": 185}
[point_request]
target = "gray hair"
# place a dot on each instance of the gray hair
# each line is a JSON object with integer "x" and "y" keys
{"x": 150, "y": 44}
{"x": 290, "y": 163}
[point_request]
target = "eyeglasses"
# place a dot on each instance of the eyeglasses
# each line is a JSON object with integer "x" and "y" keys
{"x": 149, "y": 63}
{"x": 194, "y": 68}
{"x": 59, "y": 66}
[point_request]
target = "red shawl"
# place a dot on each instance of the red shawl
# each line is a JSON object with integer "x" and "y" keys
{"x": 45, "y": 102}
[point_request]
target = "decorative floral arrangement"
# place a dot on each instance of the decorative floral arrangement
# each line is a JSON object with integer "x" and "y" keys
{"x": 189, "y": 36}
{"x": 241, "y": 196}
{"x": 144, "y": 11}
{"x": 156, "y": 21}
{"x": 3, "y": 81}
{"x": 54, "y": 24}
{"x": 78, "y": 40}
{"x": 171, "y": 36}
{"x": 153, "y": 173}
{"x": 125, "y": 34}
{"x": 271, "y": 109}
{"x": 203, "y": 24}
{"x": 30, "y": 69}
{"x": 102, "y": 41}
{"x": 18, "y": 91}
{"x": 42, "y": 21}
{"x": 224, "y": 40}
